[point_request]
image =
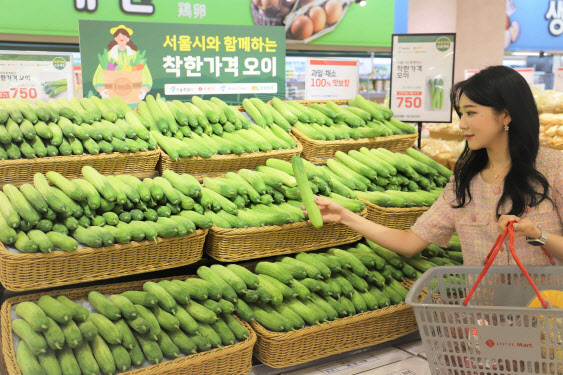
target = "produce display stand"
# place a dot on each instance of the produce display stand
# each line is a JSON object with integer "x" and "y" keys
{"x": 320, "y": 151}
{"x": 230, "y": 360}
{"x": 233, "y": 245}
{"x": 22, "y": 170}
{"x": 218, "y": 165}
{"x": 24, "y": 272}
{"x": 354, "y": 332}
{"x": 393, "y": 217}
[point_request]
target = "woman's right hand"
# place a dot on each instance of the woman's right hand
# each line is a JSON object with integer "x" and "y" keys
{"x": 330, "y": 210}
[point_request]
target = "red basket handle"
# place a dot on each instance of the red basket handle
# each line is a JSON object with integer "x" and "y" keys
{"x": 492, "y": 255}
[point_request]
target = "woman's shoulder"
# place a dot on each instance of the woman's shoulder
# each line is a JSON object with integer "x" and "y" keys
{"x": 549, "y": 159}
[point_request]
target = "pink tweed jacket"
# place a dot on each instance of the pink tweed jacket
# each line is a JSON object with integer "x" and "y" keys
{"x": 476, "y": 223}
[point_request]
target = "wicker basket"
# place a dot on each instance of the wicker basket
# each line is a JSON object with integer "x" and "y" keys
{"x": 320, "y": 151}
{"x": 23, "y": 272}
{"x": 233, "y": 245}
{"x": 358, "y": 331}
{"x": 220, "y": 164}
{"x": 446, "y": 136}
{"x": 391, "y": 217}
{"x": 231, "y": 360}
{"x": 23, "y": 170}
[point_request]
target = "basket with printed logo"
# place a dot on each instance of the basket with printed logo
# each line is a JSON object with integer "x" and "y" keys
{"x": 235, "y": 359}
{"x": 501, "y": 319}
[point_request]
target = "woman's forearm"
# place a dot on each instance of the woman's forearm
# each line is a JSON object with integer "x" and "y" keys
{"x": 404, "y": 243}
{"x": 554, "y": 246}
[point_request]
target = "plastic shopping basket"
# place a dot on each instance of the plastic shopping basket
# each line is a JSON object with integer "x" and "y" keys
{"x": 490, "y": 331}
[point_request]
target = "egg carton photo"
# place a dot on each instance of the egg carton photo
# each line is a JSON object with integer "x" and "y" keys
{"x": 310, "y": 20}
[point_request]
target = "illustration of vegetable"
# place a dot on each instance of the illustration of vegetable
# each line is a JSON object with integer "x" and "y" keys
{"x": 436, "y": 93}
{"x": 54, "y": 88}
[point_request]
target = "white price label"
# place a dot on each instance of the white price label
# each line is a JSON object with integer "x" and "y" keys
{"x": 528, "y": 74}
{"x": 331, "y": 79}
{"x": 36, "y": 76}
{"x": 421, "y": 77}
{"x": 558, "y": 81}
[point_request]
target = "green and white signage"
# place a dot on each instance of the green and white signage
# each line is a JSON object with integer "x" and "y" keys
{"x": 178, "y": 61}
{"x": 36, "y": 76}
{"x": 422, "y": 71}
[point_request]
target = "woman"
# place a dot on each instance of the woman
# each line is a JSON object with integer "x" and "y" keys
{"x": 502, "y": 173}
{"x": 121, "y": 53}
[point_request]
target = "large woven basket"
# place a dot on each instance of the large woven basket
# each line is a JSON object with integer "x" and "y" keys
{"x": 23, "y": 272}
{"x": 446, "y": 136}
{"x": 220, "y": 164}
{"x": 233, "y": 245}
{"x": 320, "y": 151}
{"x": 231, "y": 360}
{"x": 392, "y": 217}
{"x": 354, "y": 332}
{"x": 22, "y": 170}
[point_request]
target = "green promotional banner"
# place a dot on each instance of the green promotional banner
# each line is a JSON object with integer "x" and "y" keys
{"x": 324, "y": 22}
{"x": 178, "y": 61}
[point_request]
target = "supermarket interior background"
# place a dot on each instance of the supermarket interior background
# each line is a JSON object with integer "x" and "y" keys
{"x": 153, "y": 159}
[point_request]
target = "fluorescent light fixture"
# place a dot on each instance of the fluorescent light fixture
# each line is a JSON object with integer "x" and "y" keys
{"x": 525, "y": 53}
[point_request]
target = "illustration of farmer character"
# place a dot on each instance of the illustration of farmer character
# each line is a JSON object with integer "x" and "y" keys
{"x": 123, "y": 69}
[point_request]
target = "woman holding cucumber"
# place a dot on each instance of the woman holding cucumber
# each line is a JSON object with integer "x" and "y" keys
{"x": 502, "y": 176}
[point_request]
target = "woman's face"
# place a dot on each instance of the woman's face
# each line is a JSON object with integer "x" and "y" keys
{"x": 122, "y": 40}
{"x": 482, "y": 126}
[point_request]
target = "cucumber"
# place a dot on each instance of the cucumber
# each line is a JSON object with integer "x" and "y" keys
{"x": 313, "y": 211}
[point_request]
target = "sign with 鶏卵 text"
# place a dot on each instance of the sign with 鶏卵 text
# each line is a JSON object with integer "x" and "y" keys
{"x": 422, "y": 69}
{"x": 331, "y": 79}
{"x": 178, "y": 61}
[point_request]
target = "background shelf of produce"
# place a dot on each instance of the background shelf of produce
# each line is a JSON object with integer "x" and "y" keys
{"x": 218, "y": 165}
{"x": 233, "y": 245}
{"x": 230, "y": 360}
{"x": 19, "y": 171}
{"x": 24, "y": 272}
{"x": 358, "y": 331}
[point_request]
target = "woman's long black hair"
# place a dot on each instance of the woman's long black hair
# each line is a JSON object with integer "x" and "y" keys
{"x": 503, "y": 88}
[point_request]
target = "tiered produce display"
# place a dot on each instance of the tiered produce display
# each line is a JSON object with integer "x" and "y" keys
{"x": 61, "y": 127}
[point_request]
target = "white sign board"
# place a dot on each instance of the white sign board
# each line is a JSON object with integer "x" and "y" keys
{"x": 34, "y": 75}
{"x": 470, "y": 73}
{"x": 528, "y": 74}
{"x": 422, "y": 71}
{"x": 331, "y": 79}
{"x": 558, "y": 80}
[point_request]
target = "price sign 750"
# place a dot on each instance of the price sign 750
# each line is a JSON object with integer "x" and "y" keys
{"x": 23, "y": 92}
{"x": 409, "y": 99}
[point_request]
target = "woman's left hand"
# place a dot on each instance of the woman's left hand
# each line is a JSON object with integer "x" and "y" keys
{"x": 522, "y": 227}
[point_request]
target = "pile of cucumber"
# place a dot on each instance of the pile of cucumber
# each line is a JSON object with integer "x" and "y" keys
{"x": 389, "y": 179}
{"x": 362, "y": 118}
{"x": 208, "y": 127}
{"x": 268, "y": 195}
{"x": 98, "y": 210}
{"x": 61, "y": 127}
{"x": 166, "y": 319}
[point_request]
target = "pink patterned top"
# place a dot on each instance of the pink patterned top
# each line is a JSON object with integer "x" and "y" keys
{"x": 476, "y": 223}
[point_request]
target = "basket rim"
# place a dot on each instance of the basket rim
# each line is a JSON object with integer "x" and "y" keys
{"x": 361, "y": 141}
{"x": 395, "y": 210}
{"x": 247, "y": 155}
{"x": 6, "y": 255}
{"x": 61, "y": 158}
{"x": 270, "y": 228}
{"x": 9, "y": 354}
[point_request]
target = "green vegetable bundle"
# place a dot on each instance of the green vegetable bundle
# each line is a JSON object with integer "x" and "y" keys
{"x": 164, "y": 320}
{"x": 436, "y": 87}
{"x": 54, "y": 88}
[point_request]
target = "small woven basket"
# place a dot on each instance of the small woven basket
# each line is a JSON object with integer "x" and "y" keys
{"x": 24, "y": 272}
{"x": 233, "y": 245}
{"x": 393, "y": 217}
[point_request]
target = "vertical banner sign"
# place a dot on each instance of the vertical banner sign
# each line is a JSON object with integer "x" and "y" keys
{"x": 528, "y": 74}
{"x": 331, "y": 79}
{"x": 36, "y": 75}
{"x": 558, "y": 80}
{"x": 181, "y": 60}
{"x": 422, "y": 70}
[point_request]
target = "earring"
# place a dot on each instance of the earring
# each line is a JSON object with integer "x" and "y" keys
{"x": 506, "y": 127}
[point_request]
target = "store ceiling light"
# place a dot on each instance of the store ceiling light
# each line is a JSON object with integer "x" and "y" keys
{"x": 525, "y": 53}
